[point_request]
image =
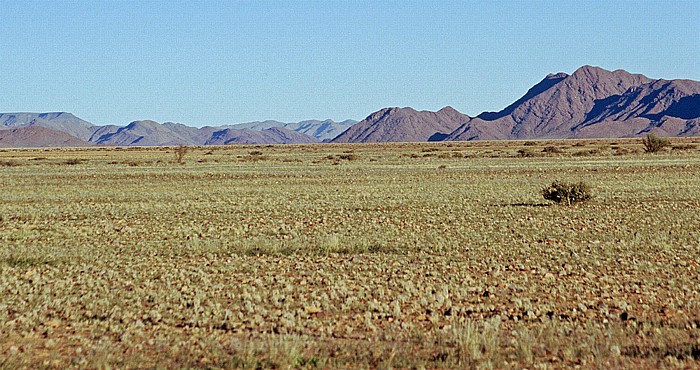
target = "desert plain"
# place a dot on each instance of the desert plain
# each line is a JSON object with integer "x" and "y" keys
{"x": 392, "y": 255}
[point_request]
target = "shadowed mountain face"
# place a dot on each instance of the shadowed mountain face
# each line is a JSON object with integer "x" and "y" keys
{"x": 403, "y": 124}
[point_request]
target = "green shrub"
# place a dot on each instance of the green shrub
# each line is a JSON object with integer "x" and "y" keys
{"x": 653, "y": 143}
{"x": 567, "y": 193}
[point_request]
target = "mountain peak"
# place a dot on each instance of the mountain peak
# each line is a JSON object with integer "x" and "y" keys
{"x": 404, "y": 124}
{"x": 558, "y": 75}
{"x": 448, "y": 109}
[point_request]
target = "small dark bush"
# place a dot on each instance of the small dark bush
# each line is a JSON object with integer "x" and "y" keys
{"x": 685, "y": 147}
{"x": 349, "y": 157}
{"x": 654, "y": 144}
{"x": 9, "y": 163}
{"x": 552, "y": 150}
{"x": 567, "y": 193}
{"x": 73, "y": 161}
{"x": 526, "y": 153}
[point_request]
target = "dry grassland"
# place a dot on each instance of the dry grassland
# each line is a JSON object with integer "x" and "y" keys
{"x": 433, "y": 255}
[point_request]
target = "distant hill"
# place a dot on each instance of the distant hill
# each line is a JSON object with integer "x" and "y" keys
{"x": 273, "y": 135}
{"x": 322, "y": 130}
{"x": 403, "y": 124}
{"x": 60, "y": 121}
{"x": 147, "y": 133}
{"x": 38, "y": 136}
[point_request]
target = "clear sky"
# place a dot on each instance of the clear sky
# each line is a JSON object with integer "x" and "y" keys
{"x": 204, "y": 62}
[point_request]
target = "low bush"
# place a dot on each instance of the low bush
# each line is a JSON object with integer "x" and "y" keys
{"x": 654, "y": 144}
{"x": 567, "y": 193}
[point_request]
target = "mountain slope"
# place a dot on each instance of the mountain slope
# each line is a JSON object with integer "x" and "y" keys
{"x": 37, "y": 136}
{"x": 592, "y": 102}
{"x": 403, "y": 124}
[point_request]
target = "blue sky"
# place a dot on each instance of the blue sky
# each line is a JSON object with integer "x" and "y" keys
{"x": 216, "y": 62}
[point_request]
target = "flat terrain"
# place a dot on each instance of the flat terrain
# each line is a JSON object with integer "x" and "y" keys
{"x": 433, "y": 255}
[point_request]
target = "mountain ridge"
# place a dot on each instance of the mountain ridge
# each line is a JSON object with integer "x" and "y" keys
{"x": 151, "y": 133}
{"x": 589, "y": 103}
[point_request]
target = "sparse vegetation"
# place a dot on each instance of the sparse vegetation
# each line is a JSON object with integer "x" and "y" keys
{"x": 567, "y": 193}
{"x": 685, "y": 147}
{"x": 383, "y": 262}
{"x": 654, "y": 144}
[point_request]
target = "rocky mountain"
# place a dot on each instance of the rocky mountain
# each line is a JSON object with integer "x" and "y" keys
{"x": 592, "y": 103}
{"x": 38, "y": 136}
{"x": 273, "y": 135}
{"x": 404, "y": 124}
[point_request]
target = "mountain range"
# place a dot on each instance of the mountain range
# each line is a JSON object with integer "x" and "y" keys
{"x": 65, "y": 129}
{"x": 590, "y": 103}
